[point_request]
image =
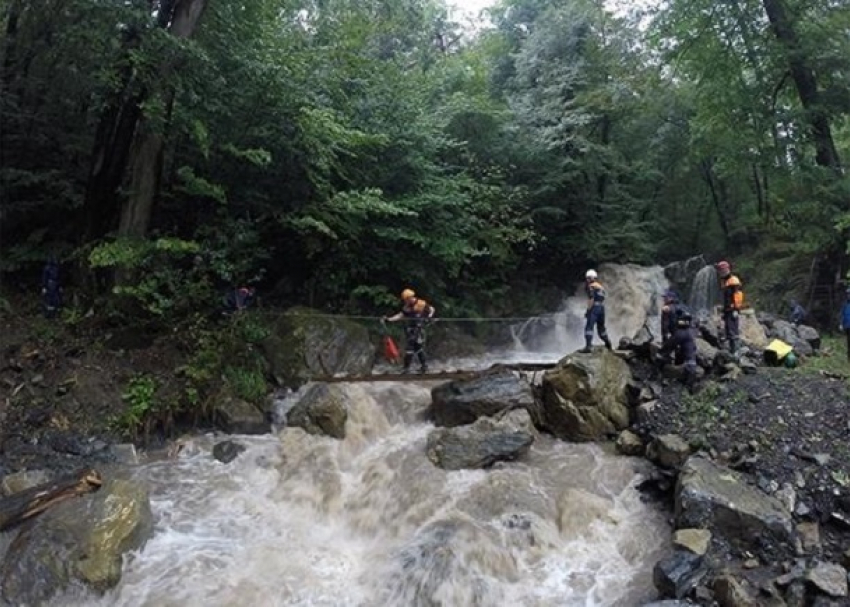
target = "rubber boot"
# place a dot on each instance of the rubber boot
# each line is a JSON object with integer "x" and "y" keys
{"x": 608, "y": 345}
{"x": 408, "y": 358}
{"x": 587, "y": 349}
{"x": 423, "y": 365}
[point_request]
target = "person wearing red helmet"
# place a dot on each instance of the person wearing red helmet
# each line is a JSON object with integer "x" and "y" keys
{"x": 417, "y": 312}
{"x": 733, "y": 301}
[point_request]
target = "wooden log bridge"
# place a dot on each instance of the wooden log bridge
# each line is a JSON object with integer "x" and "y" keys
{"x": 437, "y": 375}
{"x": 26, "y": 504}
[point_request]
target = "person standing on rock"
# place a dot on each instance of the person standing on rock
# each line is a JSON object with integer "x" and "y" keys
{"x": 845, "y": 320}
{"x": 417, "y": 313}
{"x": 595, "y": 313}
{"x": 733, "y": 301}
{"x": 678, "y": 338}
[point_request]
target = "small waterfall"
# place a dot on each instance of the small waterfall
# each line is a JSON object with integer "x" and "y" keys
{"x": 369, "y": 521}
{"x": 634, "y": 294}
{"x": 705, "y": 291}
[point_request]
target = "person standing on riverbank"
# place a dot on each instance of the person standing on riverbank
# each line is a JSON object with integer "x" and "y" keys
{"x": 416, "y": 313}
{"x": 733, "y": 301}
{"x": 845, "y": 320}
{"x": 51, "y": 288}
{"x": 595, "y": 313}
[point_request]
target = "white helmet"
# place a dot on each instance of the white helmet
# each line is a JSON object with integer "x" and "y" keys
{"x": 590, "y": 274}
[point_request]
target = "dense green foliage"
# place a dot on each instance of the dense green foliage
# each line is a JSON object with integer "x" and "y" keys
{"x": 332, "y": 152}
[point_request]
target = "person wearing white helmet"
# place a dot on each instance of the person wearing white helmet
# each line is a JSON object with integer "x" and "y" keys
{"x": 595, "y": 313}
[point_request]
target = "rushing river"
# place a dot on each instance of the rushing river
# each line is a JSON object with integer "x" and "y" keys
{"x": 368, "y": 520}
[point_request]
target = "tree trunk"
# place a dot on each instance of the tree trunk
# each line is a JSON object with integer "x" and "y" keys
{"x": 113, "y": 139}
{"x": 708, "y": 175}
{"x": 26, "y": 504}
{"x": 148, "y": 149}
{"x": 826, "y": 154}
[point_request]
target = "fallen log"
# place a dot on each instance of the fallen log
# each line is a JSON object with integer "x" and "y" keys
{"x": 26, "y": 504}
{"x": 433, "y": 376}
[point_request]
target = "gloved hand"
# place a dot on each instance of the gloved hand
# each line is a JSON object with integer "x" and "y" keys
{"x": 587, "y": 313}
{"x": 735, "y": 314}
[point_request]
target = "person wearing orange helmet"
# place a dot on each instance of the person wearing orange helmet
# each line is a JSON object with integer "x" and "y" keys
{"x": 416, "y": 312}
{"x": 733, "y": 301}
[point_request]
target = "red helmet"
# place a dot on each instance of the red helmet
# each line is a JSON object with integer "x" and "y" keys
{"x": 723, "y": 266}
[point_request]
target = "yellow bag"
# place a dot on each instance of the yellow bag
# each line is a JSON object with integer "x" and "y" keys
{"x": 776, "y": 351}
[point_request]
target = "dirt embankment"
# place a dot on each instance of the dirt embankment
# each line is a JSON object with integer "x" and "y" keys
{"x": 63, "y": 390}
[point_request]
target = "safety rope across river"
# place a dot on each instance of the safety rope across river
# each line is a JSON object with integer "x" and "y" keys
{"x": 439, "y": 319}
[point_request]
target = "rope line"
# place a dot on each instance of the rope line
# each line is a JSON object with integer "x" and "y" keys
{"x": 436, "y": 319}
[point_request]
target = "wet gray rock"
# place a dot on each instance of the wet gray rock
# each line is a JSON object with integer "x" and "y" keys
{"x": 731, "y": 592}
{"x": 585, "y": 398}
{"x": 483, "y": 443}
{"x": 25, "y": 479}
{"x": 717, "y": 498}
{"x": 629, "y": 443}
{"x": 79, "y": 541}
{"x": 460, "y": 402}
{"x": 829, "y": 578}
{"x": 668, "y": 451}
{"x": 706, "y": 354}
{"x": 227, "y": 451}
{"x": 237, "y": 416}
{"x": 321, "y": 410}
{"x": 677, "y": 574}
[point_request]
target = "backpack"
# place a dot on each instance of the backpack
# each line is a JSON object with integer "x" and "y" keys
{"x": 682, "y": 317}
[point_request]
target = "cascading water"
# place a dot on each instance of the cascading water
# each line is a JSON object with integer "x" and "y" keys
{"x": 705, "y": 291}
{"x": 633, "y": 296}
{"x": 369, "y": 520}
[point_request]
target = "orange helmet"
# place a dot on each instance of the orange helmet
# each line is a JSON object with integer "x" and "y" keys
{"x": 407, "y": 294}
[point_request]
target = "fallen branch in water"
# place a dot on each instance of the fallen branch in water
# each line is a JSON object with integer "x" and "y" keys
{"x": 26, "y": 504}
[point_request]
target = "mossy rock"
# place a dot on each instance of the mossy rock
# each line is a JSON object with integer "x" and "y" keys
{"x": 305, "y": 344}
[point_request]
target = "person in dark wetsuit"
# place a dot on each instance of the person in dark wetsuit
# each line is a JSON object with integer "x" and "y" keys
{"x": 416, "y": 313}
{"x": 51, "y": 288}
{"x": 678, "y": 338}
{"x": 595, "y": 313}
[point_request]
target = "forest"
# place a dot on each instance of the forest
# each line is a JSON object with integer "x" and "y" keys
{"x": 331, "y": 152}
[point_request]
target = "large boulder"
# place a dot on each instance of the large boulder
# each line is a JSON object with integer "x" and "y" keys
{"x": 463, "y": 401}
{"x": 706, "y": 354}
{"x": 238, "y": 416}
{"x": 752, "y": 331}
{"x": 322, "y": 410}
{"x": 80, "y": 541}
{"x": 305, "y": 344}
{"x": 709, "y": 496}
{"x": 585, "y": 398}
{"x": 483, "y": 443}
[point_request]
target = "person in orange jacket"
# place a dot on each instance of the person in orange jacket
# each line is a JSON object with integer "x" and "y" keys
{"x": 416, "y": 312}
{"x": 595, "y": 313}
{"x": 733, "y": 302}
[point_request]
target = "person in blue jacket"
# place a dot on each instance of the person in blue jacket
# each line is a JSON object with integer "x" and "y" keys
{"x": 845, "y": 321}
{"x": 798, "y": 312}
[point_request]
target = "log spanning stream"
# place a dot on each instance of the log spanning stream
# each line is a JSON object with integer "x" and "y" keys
{"x": 369, "y": 520}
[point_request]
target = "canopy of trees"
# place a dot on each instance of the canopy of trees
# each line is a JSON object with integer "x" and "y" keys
{"x": 333, "y": 151}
